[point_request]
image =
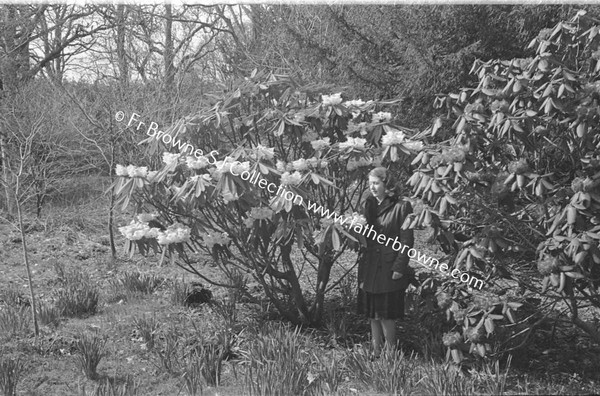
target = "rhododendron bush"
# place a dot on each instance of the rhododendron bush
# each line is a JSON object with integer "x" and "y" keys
{"x": 513, "y": 191}
{"x": 308, "y": 143}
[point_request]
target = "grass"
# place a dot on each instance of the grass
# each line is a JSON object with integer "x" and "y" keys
{"x": 11, "y": 370}
{"x": 77, "y": 295}
{"x": 14, "y": 321}
{"x": 48, "y": 314}
{"x": 138, "y": 282}
{"x": 91, "y": 349}
{"x": 147, "y": 328}
{"x": 246, "y": 354}
{"x": 276, "y": 363}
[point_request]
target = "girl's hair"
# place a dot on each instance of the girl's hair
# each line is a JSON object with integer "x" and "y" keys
{"x": 391, "y": 186}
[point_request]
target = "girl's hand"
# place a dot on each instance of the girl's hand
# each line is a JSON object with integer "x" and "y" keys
{"x": 396, "y": 275}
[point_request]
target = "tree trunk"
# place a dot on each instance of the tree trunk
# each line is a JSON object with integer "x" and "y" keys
{"x": 121, "y": 56}
{"x": 168, "y": 55}
{"x": 296, "y": 290}
{"x": 25, "y": 255}
{"x": 7, "y": 176}
{"x": 111, "y": 236}
{"x": 323, "y": 274}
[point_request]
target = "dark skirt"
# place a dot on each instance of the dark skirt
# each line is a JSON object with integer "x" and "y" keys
{"x": 381, "y": 305}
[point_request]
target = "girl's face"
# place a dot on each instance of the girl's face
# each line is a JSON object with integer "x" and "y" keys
{"x": 376, "y": 186}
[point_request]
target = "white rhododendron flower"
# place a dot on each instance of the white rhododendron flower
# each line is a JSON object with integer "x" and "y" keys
{"x": 146, "y": 217}
{"x": 137, "y": 230}
{"x": 382, "y": 116}
{"x": 357, "y": 143}
{"x": 249, "y": 222}
{"x": 320, "y": 144}
{"x": 313, "y": 162}
{"x": 169, "y": 158}
{"x": 135, "y": 171}
{"x": 324, "y": 164}
{"x": 215, "y": 238}
{"x": 354, "y": 164}
{"x": 121, "y": 171}
{"x": 291, "y": 179}
{"x": 196, "y": 163}
{"x": 330, "y": 100}
{"x": 261, "y": 152}
{"x": 176, "y": 233}
{"x": 325, "y": 222}
{"x": 299, "y": 117}
{"x": 280, "y": 166}
{"x": 393, "y": 137}
{"x": 300, "y": 164}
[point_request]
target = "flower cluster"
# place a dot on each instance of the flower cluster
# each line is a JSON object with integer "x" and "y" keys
{"x": 320, "y": 144}
{"x": 176, "y": 233}
{"x": 137, "y": 230}
{"x": 325, "y": 222}
{"x": 259, "y": 152}
{"x": 291, "y": 179}
{"x": 382, "y": 116}
{"x": 354, "y": 103}
{"x": 300, "y": 164}
{"x": 315, "y": 163}
{"x": 131, "y": 171}
{"x": 170, "y": 158}
{"x": 361, "y": 126}
{"x": 393, "y": 137}
{"x": 355, "y": 143}
{"x": 197, "y": 162}
{"x": 331, "y": 100}
{"x": 215, "y": 238}
{"x": 229, "y": 165}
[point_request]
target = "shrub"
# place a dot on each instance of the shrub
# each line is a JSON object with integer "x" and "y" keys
{"x": 91, "y": 350}
{"x": 10, "y": 373}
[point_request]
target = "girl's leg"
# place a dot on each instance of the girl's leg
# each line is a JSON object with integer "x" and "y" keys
{"x": 377, "y": 334}
{"x": 389, "y": 331}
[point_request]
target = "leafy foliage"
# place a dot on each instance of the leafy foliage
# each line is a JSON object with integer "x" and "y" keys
{"x": 311, "y": 147}
{"x": 513, "y": 190}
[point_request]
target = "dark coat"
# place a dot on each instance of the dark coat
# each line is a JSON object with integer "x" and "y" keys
{"x": 380, "y": 261}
